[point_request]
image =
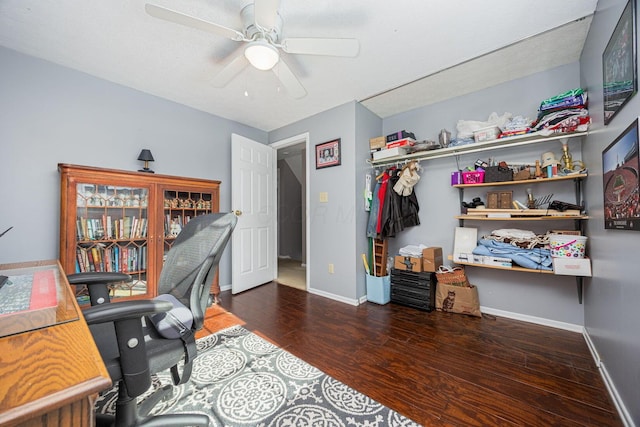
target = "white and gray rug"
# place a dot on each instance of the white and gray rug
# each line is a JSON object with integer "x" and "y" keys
{"x": 240, "y": 379}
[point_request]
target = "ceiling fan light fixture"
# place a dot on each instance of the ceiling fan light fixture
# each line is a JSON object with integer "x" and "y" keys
{"x": 262, "y": 55}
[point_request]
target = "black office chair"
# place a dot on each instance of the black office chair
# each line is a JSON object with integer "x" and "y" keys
{"x": 139, "y": 338}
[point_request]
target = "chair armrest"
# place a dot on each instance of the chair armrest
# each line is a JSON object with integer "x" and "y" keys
{"x": 97, "y": 284}
{"x": 124, "y": 310}
{"x": 126, "y": 318}
{"x": 91, "y": 278}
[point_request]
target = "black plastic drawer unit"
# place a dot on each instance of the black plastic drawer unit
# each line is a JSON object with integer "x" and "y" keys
{"x": 417, "y": 290}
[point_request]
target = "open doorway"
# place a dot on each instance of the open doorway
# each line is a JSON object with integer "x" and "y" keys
{"x": 291, "y": 208}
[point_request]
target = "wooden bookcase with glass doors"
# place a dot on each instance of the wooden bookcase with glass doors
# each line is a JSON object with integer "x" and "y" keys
{"x": 114, "y": 220}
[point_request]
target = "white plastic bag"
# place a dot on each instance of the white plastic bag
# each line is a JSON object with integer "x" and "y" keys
{"x": 466, "y": 128}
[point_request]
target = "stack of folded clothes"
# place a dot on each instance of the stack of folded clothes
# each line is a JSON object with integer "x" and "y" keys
{"x": 563, "y": 113}
{"x": 523, "y": 247}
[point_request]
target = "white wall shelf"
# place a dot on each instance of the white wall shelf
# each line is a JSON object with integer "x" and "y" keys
{"x": 513, "y": 141}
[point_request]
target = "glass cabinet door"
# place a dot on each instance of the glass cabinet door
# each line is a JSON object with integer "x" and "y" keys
{"x": 111, "y": 235}
{"x": 179, "y": 207}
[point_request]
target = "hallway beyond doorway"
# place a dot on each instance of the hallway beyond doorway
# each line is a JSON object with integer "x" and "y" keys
{"x": 292, "y": 273}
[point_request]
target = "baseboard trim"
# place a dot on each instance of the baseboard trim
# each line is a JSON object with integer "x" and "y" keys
{"x": 317, "y": 292}
{"x": 608, "y": 382}
{"x": 533, "y": 319}
{"x": 333, "y": 296}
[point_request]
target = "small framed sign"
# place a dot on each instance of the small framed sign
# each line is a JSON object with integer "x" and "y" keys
{"x": 328, "y": 154}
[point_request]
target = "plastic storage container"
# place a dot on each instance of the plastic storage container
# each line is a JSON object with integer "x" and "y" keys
{"x": 488, "y": 133}
{"x": 473, "y": 177}
{"x": 567, "y": 246}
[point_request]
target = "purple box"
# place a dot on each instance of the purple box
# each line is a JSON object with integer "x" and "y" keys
{"x": 456, "y": 178}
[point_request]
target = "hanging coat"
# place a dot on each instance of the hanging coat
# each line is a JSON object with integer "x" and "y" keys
{"x": 398, "y": 212}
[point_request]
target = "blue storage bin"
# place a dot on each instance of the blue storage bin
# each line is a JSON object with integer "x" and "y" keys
{"x": 378, "y": 289}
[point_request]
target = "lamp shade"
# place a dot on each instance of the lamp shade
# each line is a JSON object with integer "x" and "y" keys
{"x": 145, "y": 156}
{"x": 262, "y": 55}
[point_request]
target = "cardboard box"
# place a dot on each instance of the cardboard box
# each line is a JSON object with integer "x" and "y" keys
{"x": 407, "y": 263}
{"x": 377, "y": 142}
{"x": 431, "y": 259}
{"x": 572, "y": 266}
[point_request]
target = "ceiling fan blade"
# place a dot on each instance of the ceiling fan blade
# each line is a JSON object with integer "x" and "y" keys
{"x": 190, "y": 21}
{"x": 312, "y": 46}
{"x": 230, "y": 70}
{"x": 265, "y": 13}
{"x": 289, "y": 80}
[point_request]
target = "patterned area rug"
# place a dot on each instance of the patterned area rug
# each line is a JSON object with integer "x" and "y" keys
{"x": 240, "y": 379}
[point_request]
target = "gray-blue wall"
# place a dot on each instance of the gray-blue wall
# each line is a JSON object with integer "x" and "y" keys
{"x": 333, "y": 225}
{"x": 51, "y": 114}
{"x": 612, "y": 296}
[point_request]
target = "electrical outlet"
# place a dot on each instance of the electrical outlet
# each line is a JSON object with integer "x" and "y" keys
{"x": 330, "y": 268}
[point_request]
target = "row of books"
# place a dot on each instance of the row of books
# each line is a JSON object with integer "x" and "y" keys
{"x": 114, "y": 258}
{"x": 129, "y": 227}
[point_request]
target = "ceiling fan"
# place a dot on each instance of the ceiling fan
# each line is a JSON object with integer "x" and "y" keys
{"x": 262, "y": 27}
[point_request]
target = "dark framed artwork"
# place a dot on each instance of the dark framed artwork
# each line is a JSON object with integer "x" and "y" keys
{"x": 619, "y": 70}
{"x": 328, "y": 154}
{"x": 620, "y": 165}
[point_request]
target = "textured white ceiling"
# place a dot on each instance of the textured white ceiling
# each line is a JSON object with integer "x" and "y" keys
{"x": 400, "y": 42}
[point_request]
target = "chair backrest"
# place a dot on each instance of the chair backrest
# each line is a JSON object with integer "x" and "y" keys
{"x": 192, "y": 261}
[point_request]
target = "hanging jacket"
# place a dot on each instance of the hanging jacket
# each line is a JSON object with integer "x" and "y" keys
{"x": 398, "y": 212}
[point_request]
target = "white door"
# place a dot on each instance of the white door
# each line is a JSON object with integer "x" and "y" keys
{"x": 253, "y": 240}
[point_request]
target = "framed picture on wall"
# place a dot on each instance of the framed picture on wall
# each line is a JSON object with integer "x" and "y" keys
{"x": 620, "y": 171}
{"x": 619, "y": 70}
{"x": 328, "y": 154}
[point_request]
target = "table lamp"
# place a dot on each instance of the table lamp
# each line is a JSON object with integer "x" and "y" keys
{"x": 146, "y": 157}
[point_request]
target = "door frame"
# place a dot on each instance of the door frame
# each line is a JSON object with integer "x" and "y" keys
{"x": 283, "y": 143}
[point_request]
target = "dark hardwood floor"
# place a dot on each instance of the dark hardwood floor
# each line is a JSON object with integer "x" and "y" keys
{"x": 438, "y": 369}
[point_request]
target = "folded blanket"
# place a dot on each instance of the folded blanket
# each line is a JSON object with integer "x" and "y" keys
{"x": 536, "y": 259}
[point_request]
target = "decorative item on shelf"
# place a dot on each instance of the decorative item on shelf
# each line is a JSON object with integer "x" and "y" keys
{"x": 538, "y": 170}
{"x": 444, "y": 138}
{"x": 531, "y": 201}
{"x": 146, "y": 157}
{"x": 567, "y": 159}
{"x": 550, "y": 164}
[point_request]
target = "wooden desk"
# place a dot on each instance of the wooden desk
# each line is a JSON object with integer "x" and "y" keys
{"x": 50, "y": 374}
